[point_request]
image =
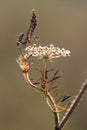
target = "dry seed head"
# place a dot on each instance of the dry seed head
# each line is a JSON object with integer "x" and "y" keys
{"x": 33, "y": 11}
{"x": 23, "y": 63}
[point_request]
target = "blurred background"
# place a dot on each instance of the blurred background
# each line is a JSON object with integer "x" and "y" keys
{"x": 60, "y": 22}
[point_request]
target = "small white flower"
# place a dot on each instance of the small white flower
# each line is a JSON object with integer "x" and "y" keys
{"x": 46, "y": 52}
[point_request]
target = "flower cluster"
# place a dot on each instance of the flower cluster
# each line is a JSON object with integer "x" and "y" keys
{"x": 46, "y": 52}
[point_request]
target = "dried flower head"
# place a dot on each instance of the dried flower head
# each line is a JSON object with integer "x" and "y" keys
{"x": 46, "y": 52}
{"x": 23, "y": 63}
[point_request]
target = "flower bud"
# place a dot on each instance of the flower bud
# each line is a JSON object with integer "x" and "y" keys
{"x": 23, "y": 63}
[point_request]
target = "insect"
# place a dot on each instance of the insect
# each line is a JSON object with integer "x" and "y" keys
{"x": 24, "y": 39}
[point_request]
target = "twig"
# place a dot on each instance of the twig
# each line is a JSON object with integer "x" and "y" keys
{"x": 28, "y": 81}
{"x": 76, "y": 101}
{"x": 56, "y": 121}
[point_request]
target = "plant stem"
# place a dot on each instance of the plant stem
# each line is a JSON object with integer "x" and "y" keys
{"x": 28, "y": 81}
{"x": 74, "y": 104}
{"x": 56, "y": 121}
{"x": 49, "y": 98}
{"x": 44, "y": 68}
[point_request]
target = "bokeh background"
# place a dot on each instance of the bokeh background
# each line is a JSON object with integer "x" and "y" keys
{"x": 60, "y": 22}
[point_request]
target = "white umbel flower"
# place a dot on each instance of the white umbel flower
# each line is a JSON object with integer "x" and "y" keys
{"x": 45, "y": 52}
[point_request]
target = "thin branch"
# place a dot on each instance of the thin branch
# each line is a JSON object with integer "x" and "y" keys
{"x": 55, "y": 78}
{"x": 44, "y": 68}
{"x": 51, "y": 104}
{"x": 76, "y": 101}
{"x": 56, "y": 121}
{"x": 28, "y": 81}
{"x": 47, "y": 100}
